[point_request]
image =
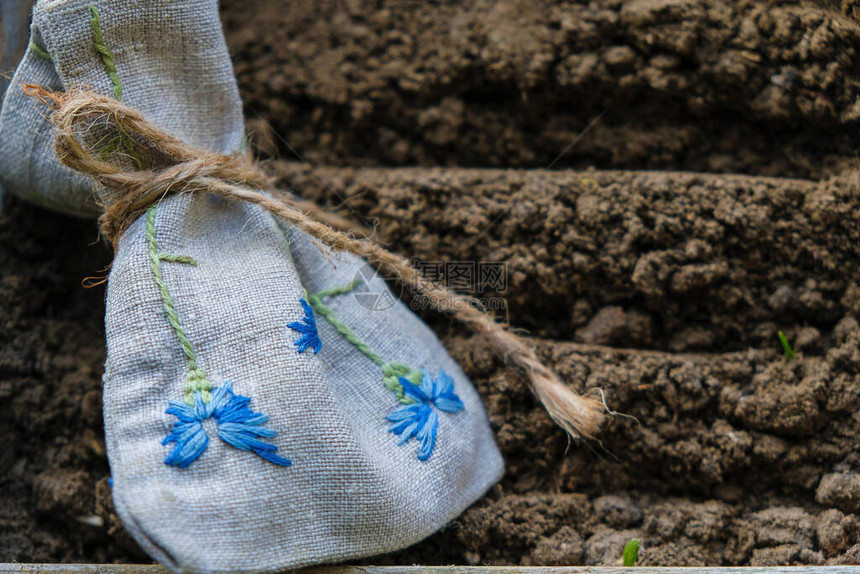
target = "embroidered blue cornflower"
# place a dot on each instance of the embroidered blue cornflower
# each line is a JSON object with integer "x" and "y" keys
{"x": 308, "y": 328}
{"x": 237, "y": 424}
{"x": 419, "y": 420}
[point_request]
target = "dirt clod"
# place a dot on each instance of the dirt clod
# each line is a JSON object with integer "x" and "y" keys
{"x": 841, "y": 490}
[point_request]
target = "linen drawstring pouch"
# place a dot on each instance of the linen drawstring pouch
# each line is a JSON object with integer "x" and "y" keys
{"x": 268, "y": 402}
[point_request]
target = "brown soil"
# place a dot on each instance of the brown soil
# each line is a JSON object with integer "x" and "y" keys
{"x": 665, "y": 290}
{"x": 756, "y": 87}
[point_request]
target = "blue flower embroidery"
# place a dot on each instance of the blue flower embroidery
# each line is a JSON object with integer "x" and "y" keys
{"x": 308, "y": 328}
{"x": 238, "y": 426}
{"x": 419, "y": 420}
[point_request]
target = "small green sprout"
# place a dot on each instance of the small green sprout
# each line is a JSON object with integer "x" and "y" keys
{"x": 631, "y": 552}
{"x": 786, "y": 348}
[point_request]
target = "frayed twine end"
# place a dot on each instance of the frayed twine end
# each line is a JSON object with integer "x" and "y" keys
{"x": 580, "y": 416}
{"x": 53, "y": 99}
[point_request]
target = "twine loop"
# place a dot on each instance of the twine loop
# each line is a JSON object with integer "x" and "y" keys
{"x": 86, "y": 122}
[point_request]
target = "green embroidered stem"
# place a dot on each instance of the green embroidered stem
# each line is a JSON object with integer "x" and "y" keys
{"x": 101, "y": 48}
{"x": 106, "y": 149}
{"x": 195, "y": 379}
{"x": 339, "y": 290}
{"x": 110, "y": 66}
{"x": 128, "y": 144}
{"x": 177, "y": 259}
{"x": 40, "y": 51}
{"x": 326, "y": 313}
{"x": 391, "y": 371}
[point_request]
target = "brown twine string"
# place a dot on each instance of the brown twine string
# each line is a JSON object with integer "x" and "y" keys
{"x": 183, "y": 168}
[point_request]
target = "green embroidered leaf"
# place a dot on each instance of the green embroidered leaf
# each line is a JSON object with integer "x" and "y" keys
{"x": 40, "y": 51}
{"x": 186, "y": 259}
{"x": 339, "y": 290}
{"x": 391, "y": 373}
